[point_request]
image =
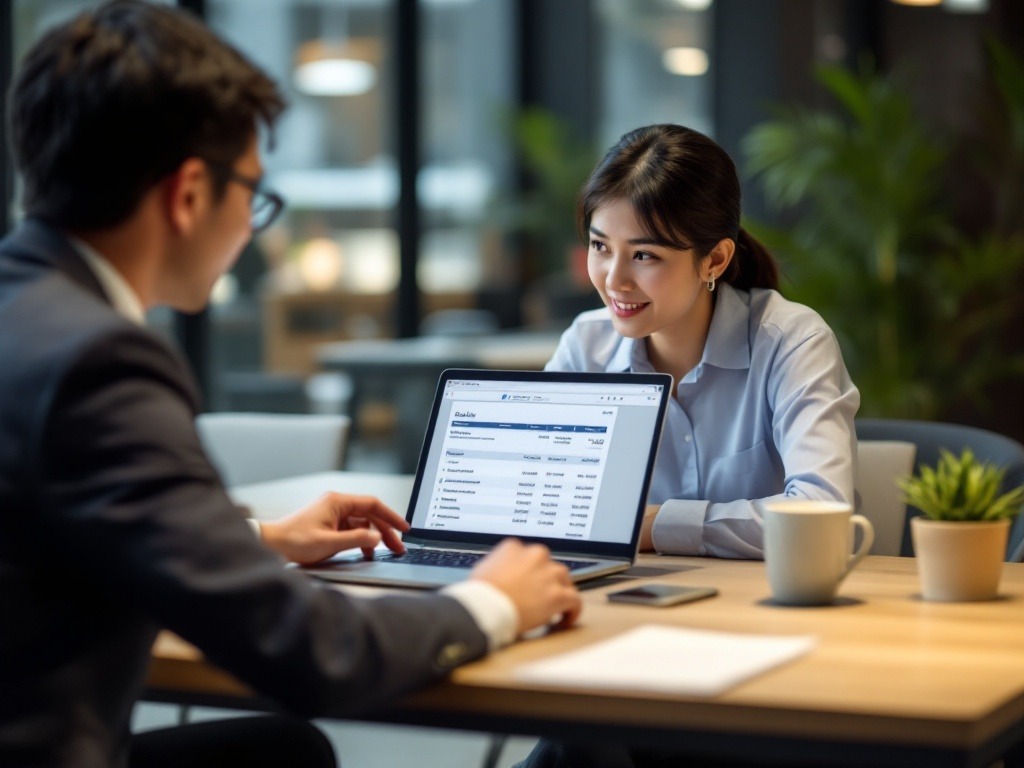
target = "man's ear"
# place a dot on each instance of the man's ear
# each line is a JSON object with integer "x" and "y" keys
{"x": 187, "y": 195}
{"x": 719, "y": 259}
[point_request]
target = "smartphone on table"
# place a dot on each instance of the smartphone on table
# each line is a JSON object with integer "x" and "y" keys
{"x": 661, "y": 595}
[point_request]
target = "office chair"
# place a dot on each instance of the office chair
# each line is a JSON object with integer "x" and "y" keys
{"x": 257, "y": 447}
{"x": 931, "y": 437}
{"x": 879, "y": 464}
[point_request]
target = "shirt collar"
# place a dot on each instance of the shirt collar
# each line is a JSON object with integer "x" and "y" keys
{"x": 625, "y": 356}
{"x": 727, "y": 345}
{"x": 122, "y": 297}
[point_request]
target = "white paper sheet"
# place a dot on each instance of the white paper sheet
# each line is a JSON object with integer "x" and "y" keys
{"x": 668, "y": 660}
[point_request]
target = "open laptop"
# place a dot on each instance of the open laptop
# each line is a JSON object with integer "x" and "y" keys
{"x": 564, "y": 459}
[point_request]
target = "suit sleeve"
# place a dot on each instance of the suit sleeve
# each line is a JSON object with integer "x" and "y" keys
{"x": 128, "y": 494}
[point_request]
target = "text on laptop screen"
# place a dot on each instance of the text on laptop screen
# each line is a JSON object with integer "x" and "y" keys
{"x": 538, "y": 459}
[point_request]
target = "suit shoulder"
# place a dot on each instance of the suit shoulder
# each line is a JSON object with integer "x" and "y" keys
{"x": 57, "y": 331}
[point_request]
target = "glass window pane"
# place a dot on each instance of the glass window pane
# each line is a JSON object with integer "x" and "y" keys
{"x": 328, "y": 269}
{"x": 468, "y": 88}
{"x": 656, "y": 65}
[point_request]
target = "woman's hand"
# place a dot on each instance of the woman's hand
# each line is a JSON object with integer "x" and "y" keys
{"x": 647, "y": 528}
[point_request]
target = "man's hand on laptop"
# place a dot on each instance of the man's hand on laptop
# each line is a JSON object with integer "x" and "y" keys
{"x": 332, "y": 523}
{"x": 538, "y": 586}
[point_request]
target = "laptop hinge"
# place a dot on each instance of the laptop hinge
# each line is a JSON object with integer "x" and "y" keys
{"x": 416, "y": 541}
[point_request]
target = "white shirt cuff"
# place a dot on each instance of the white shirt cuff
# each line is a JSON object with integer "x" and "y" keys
{"x": 492, "y": 610}
{"x": 255, "y": 525}
{"x": 679, "y": 528}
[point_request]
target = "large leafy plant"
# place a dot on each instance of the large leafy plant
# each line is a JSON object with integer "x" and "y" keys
{"x": 961, "y": 488}
{"x": 556, "y": 163}
{"x": 923, "y": 304}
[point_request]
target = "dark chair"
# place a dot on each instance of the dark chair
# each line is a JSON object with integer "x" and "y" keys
{"x": 460, "y": 322}
{"x": 931, "y": 436}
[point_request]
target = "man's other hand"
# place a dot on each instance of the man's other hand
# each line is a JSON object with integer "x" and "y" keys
{"x": 539, "y": 587}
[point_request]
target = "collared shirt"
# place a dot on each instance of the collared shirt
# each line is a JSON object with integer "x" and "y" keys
{"x": 492, "y": 610}
{"x": 767, "y": 413}
{"x": 122, "y": 296}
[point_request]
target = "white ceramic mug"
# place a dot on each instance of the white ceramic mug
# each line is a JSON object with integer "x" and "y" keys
{"x": 807, "y": 548}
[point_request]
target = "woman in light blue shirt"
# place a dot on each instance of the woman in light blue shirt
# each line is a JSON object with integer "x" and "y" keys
{"x": 763, "y": 406}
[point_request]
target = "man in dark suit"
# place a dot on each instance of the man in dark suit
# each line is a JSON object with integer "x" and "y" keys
{"x": 134, "y": 129}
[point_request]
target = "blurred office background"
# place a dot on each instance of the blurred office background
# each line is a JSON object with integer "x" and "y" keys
{"x": 433, "y": 148}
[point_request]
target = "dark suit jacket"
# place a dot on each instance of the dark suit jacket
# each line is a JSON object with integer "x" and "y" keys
{"x": 113, "y": 524}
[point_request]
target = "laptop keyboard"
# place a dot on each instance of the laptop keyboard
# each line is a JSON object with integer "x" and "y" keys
{"x": 444, "y": 558}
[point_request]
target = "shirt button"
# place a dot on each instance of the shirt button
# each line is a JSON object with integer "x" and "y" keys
{"x": 451, "y": 655}
{"x": 688, "y": 438}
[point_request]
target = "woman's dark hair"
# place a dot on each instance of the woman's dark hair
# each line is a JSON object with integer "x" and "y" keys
{"x": 686, "y": 194}
{"x": 109, "y": 103}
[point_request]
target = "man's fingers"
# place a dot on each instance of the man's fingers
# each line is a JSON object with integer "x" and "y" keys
{"x": 364, "y": 538}
{"x": 392, "y": 540}
{"x": 368, "y": 508}
{"x": 571, "y": 613}
{"x": 569, "y": 601}
{"x": 379, "y": 512}
{"x": 562, "y": 573}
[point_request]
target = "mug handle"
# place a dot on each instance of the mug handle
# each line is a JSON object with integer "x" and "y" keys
{"x": 869, "y": 538}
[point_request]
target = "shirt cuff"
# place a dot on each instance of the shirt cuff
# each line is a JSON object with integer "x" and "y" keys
{"x": 679, "y": 528}
{"x": 255, "y": 525}
{"x": 492, "y": 610}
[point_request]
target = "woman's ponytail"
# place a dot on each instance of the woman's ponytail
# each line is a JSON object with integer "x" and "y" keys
{"x": 752, "y": 265}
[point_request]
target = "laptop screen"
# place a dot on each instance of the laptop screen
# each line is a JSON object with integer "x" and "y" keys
{"x": 545, "y": 456}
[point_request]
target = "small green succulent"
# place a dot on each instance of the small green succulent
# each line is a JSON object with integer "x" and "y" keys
{"x": 961, "y": 489}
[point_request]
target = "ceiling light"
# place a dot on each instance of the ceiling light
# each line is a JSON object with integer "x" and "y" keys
{"x": 965, "y": 6}
{"x": 336, "y": 69}
{"x": 694, "y": 5}
{"x": 320, "y": 263}
{"x": 691, "y": 62}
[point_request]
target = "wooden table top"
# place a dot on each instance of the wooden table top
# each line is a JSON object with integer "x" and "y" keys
{"x": 889, "y": 668}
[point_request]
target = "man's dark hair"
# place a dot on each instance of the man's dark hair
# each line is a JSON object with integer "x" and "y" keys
{"x": 108, "y": 104}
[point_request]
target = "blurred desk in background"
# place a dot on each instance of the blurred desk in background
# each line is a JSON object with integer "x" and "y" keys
{"x": 404, "y": 374}
{"x": 296, "y": 323}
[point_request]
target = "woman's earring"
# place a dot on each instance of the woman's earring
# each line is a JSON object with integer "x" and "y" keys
{"x": 711, "y": 282}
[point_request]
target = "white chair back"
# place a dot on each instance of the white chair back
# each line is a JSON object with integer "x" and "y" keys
{"x": 879, "y": 464}
{"x": 257, "y": 447}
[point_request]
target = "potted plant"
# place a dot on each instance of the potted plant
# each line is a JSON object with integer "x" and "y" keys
{"x": 960, "y": 542}
{"x": 555, "y": 164}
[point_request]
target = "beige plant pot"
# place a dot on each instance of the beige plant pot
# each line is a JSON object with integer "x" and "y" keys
{"x": 959, "y": 561}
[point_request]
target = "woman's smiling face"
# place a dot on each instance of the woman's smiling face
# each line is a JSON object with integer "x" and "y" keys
{"x": 649, "y": 287}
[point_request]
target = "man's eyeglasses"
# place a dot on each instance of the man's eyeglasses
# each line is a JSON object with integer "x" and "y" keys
{"x": 265, "y": 205}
